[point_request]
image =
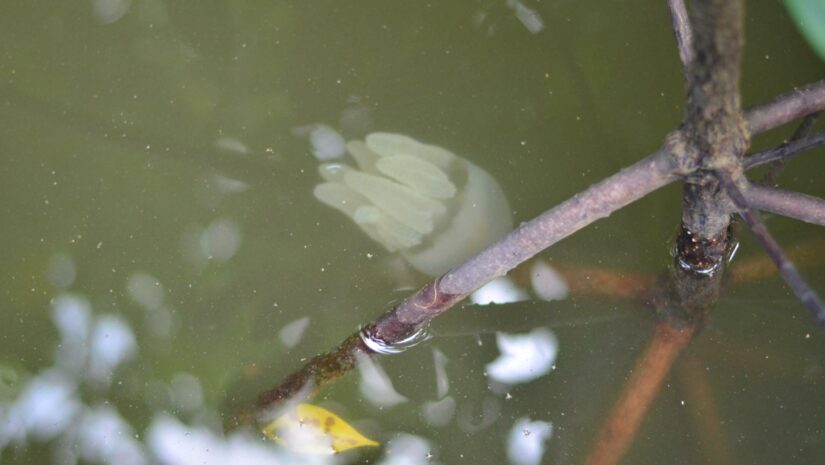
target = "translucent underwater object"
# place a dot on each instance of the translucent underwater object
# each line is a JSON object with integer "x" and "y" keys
{"x": 422, "y": 201}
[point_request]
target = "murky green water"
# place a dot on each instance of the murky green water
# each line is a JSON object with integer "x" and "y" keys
{"x": 159, "y": 229}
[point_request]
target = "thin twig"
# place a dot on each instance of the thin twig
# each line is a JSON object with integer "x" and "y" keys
{"x": 784, "y": 152}
{"x": 801, "y": 132}
{"x": 786, "y": 108}
{"x": 786, "y": 268}
{"x": 795, "y": 205}
{"x": 804, "y": 129}
{"x": 682, "y": 31}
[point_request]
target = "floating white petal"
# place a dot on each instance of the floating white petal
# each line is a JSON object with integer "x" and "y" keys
{"x": 376, "y": 386}
{"x": 524, "y": 357}
{"x": 501, "y": 290}
{"x": 548, "y": 284}
{"x": 525, "y": 443}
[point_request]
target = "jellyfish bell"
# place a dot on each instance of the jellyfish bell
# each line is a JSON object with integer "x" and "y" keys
{"x": 422, "y": 201}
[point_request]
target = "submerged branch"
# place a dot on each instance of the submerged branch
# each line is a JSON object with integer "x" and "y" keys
{"x": 786, "y": 268}
{"x": 795, "y": 205}
{"x": 785, "y": 151}
{"x": 638, "y": 393}
{"x": 801, "y": 132}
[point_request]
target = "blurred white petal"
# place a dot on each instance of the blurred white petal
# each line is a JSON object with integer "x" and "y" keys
{"x": 61, "y": 271}
{"x": 548, "y": 284}
{"x": 524, "y": 357}
{"x": 529, "y": 18}
{"x": 109, "y": 11}
{"x": 221, "y": 239}
{"x": 375, "y": 385}
{"x": 442, "y": 382}
{"x": 501, "y": 290}
{"x": 407, "y": 449}
{"x": 103, "y": 436}
{"x": 291, "y": 334}
{"x": 231, "y": 144}
{"x": 525, "y": 443}
{"x": 327, "y": 144}
{"x": 112, "y": 343}
{"x": 72, "y": 316}
{"x": 146, "y": 290}
{"x": 439, "y": 412}
{"x": 173, "y": 443}
{"x": 45, "y": 408}
{"x": 186, "y": 392}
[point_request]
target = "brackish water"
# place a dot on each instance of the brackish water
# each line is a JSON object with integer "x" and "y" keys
{"x": 164, "y": 256}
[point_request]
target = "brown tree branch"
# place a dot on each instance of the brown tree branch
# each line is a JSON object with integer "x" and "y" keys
{"x": 714, "y": 130}
{"x": 795, "y": 205}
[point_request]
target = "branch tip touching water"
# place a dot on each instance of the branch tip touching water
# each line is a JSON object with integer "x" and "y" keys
{"x": 786, "y": 268}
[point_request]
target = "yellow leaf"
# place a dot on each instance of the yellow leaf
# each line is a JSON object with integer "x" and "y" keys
{"x": 310, "y": 429}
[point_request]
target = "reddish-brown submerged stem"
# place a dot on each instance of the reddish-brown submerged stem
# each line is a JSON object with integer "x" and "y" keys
{"x": 638, "y": 393}
{"x": 704, "y": 411}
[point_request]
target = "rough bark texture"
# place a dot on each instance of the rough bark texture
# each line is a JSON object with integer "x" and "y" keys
{"x": 714, "y": 131}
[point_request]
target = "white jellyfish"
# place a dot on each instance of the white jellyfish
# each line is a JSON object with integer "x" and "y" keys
{"x": 424, "y": 202}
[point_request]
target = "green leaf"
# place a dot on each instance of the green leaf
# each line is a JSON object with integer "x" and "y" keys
{"x": 809, "y": 16}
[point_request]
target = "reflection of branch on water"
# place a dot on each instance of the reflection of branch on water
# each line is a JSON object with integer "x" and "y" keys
{"x": 524, "y": 316}
{"x": 638, "y": 393}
